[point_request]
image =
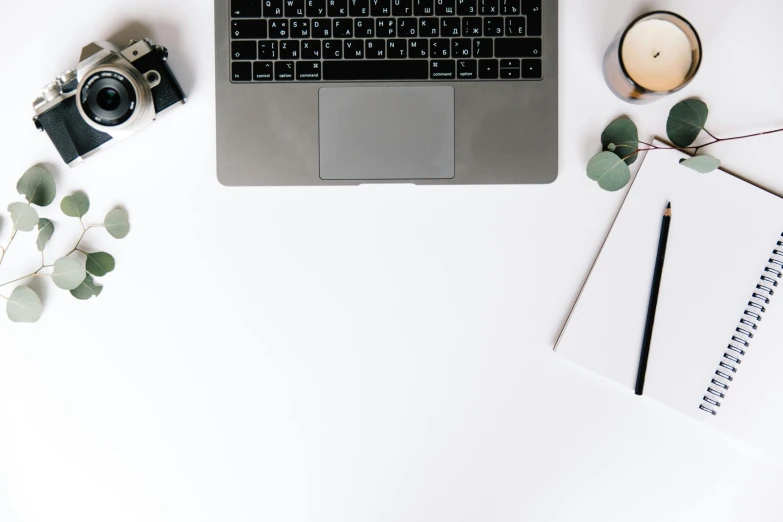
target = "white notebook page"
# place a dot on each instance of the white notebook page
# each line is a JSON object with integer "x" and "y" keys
{"x": 723, "y": 231}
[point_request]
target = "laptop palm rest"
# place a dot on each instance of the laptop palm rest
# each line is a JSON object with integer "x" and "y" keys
{"x": 376, "y": 133}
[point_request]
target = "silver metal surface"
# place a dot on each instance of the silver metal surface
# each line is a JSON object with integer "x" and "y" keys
{"x": 505, "y": 132}
{"x": 386, "y": 132}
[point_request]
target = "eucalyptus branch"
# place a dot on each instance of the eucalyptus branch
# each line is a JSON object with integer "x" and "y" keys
{"x": 621, "y": 145}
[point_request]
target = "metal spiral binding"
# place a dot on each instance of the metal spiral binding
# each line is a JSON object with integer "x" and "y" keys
{"x": 743, "y": 334}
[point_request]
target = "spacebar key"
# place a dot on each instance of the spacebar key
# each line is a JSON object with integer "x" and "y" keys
{"x": 344, "y": 70}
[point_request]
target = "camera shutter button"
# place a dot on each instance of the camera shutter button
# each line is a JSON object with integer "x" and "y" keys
{"x": 51, "y": 91}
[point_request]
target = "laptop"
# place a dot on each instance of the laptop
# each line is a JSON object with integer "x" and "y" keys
{"x": 347, "y": 92}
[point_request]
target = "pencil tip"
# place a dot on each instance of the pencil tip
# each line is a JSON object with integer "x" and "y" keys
{"x": 669, "y": 205}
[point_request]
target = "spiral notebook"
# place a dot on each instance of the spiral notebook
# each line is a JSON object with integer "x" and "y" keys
{"x": 717, "y": 345}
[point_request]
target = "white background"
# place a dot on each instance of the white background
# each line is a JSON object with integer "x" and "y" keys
{"x": 377, "y": 353}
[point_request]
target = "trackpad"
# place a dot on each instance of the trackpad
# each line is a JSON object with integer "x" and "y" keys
{"x": 386, "y": 132}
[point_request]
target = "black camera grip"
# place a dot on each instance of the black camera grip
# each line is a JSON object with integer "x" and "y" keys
{"x": 167, "y": 92}
{"x": 69, "y": 132}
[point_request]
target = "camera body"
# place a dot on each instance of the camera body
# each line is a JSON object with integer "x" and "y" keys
{"x": 111, "y": 95}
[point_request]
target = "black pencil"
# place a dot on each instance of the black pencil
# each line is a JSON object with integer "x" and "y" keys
{"x": 656, "y": 284}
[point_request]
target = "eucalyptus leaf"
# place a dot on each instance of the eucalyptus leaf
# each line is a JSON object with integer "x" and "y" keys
{"x": 68, "y": 273}
{"x": 624, "y": 135}
{"x": 99, "y": 263}
{"x": 116, "y": 223}
{"x": 23, "y": 216}
{"x": 609, "y": 170}
{"x": 686, "y": 121}
{"x": 76, "y": 205}
{"x": 37, "y": 185}
{"x": 703, "y": 164}
{"x": 87, "y": 289}
{"x": 24, "y": 305}
{"x": 45, "y": 233}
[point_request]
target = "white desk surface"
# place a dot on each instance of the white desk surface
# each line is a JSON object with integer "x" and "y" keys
{"x": 377, "y": 353}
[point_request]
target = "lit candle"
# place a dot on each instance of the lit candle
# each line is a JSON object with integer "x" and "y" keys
{"x": 656, "y": 55}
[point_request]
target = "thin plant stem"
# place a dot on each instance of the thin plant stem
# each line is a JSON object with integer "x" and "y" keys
{"x": 694, "y": 148}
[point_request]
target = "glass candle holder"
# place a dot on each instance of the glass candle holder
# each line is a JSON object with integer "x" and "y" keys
{"x": 658, "y": 54}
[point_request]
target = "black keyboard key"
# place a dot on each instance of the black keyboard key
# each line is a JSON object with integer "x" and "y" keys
{"x": 442, "y": 70}
{"x": 482, "y": 48}
{"x": 343, "y": 28}
{"x": 267, "y": 50}
{"x": 385, "y": 27}
{"x": 289, "y": 50}
{"x": 532, "y": 9}
{"x": 300, "y": 28}
{"x": 467, "y": 7}
{"x": 246, "y": 8}
{"x": 518, "y": 47}
{"x": 397, "y": 49}
{"x": 467, "y": 69}
{"x": 402, "y": 7}
{"x": 509, "y": 69}
{"x": 284, "y": 71}
{"x": 444, "y": 7}
{"x": 311, "y": 50}
{"x": 273, "y": 8}
{"x": 322, "y": 28}
{"x": 422, "y": 7}
{"x": 243, "y": 50}
{"x": 359, "y": 7}
{"x": 384, "y": 70}
{"x": 375, "y": 49}
{"x": 333, "y": 49}
{"x": 493, "y": 26}
{"x": 308, "y": 71}
{"x": 263, "y": 71}
{"x": 488, "y": 7}
{"x": 531, "y": 70}
{"x": 449, "y": 27}
{"x": 439, "y": 48}
{"x": 509, "y": 7}
{"x": 428, "y": 27}
{"x": 294, "y": 8}
{"x": 278, "y": 28}
{"x": 418, "y": 48}
{"x": 471, "y": 26}
{"x": 515, "y": 26}
{"x": 364, "y": 28}
{"x": 460, "y": 48}
{"x": 380, "y": 7}
{"x": 315, "y": 8}
{"x": 241, "y": 71}
{"x": 353, "y": 49}
{"x": 407, "y": 27}
{"x": 337, "y": 8}
{"x": 248, "y": 29}
{"x": 488, "y": 69}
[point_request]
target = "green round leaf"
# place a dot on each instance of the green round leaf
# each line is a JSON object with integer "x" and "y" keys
{"x": 37, "y": 185}
{"x": 686, "y": 121}
{"x": 23, "y": 216}
{"x": 76, "y": 205}
{"x": 703, "y": 164}
{"x": 68, "y": 273}
{"x": 624, "y": 135}
{"x": 45, "y": 232}
{"x": 609, "y": 170}
{"x": 24, "y": 305}
{"x": 116, "y": 223}
{"x": 87, "y": 289}
{"x": 99, "y": 263}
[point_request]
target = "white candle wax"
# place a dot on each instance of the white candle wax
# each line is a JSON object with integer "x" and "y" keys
{"x": 657, "y": 55}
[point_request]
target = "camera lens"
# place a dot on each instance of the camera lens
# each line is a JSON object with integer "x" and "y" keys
{"x": 108, "y": 98}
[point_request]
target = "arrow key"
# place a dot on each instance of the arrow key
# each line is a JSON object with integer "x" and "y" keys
{"x": 531, "y": 70}
{"x": 245, "y": 8}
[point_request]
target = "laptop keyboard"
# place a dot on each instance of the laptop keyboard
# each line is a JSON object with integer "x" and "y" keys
{"x": 385, "y": 40}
